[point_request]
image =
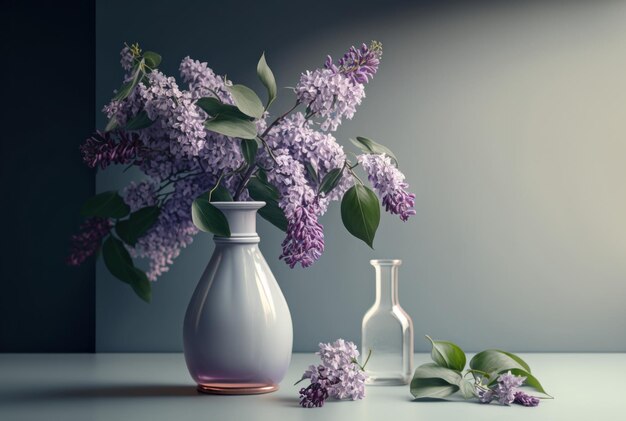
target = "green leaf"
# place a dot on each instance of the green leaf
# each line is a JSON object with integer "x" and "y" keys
{"x": 467, "y": 388}
{"x": 330, "y": 180}
{"x": 213, "y": 107}
{"x": 128, "y": 87}
{"x": 446, "y": 354}
{"x": 265, "y": 192}
{"x": 369, "y": 146}
{"x": 140, "y": 121}
{"x": 247, "y": 101}
{"x": 432, "y": 388}
{"x": 108, "y": 204}
{"x": 117, "y": 259}
{"x": 220, "y": 194}
{"x": 208, "y": 218}
{"x": 434, "y": 371}
{"x": 517, "y": 359}
{"x": 360, "y": 213}
{"x": 232, "y": 126}
{"x": 111, "y": 124}
{"x": 125, "y": 90}
{"x": 273, "y": 214}
{"x": 249, "y": 148}
{"x": 262, "y": 175}
{"x": 496, "y": 361}
{"x": 132, "y": 229}
{"x": 267, "y": 78}
{"x": 142, "y": 286}
{"x": 120, "y": 264}
{"x": 262, "y": 190}
{"x": 152, "y": 59}
{"x": 312, "y": 173}
{"x": 452, "y": 377}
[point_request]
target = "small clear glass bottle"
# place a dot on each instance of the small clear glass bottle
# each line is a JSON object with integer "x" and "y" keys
{"x": 387, "y": 330}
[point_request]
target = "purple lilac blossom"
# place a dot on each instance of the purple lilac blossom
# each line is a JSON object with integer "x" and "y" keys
{"x": 339, "y": 359}
{"x": 141, "y": 194}
{"x": 304, "y": 242}
{"x": 329, "y": 95}
{"x": 309, "y": 146}
{"x": 360, "y": 65}
{"x": 507, "y": 391}
{"x": 522, "y": 398}
{"x": 288, "y": 176}
{"x": 102, "y": 149}
{"x": 174, "y": 229}
{"x": 351, "y": 384}
{"x": 87, "y": 241}
{"x": 296, "y": 143}
{"x": 339, "y": 376}
{"x": 126, "y": 58}
{"x": 486, "y": 396}
{"x": 508, "y": 385}
{"x": 338, "y": 354}
{"x": 176, "y": 116}
{"x": 389, "y": 183}
{"x": 202, "y": 80}
{"x": 333, "y": 92}
{"x": 313, "y": 396}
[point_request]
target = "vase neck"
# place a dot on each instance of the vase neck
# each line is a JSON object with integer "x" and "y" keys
{"x": 386, "y": 281}
{"x": 241, "y": 218}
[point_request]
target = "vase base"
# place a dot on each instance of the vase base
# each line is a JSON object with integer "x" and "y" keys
{"x": 237, "y": 388}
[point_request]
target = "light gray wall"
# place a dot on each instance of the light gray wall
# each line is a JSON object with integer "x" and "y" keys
{"x": 510, "y": 123}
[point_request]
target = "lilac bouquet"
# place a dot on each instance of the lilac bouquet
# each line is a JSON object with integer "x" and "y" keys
{"x": 204, "y": 139}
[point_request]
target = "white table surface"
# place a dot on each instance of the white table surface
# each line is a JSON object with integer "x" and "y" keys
{"x": 133, "y": 387}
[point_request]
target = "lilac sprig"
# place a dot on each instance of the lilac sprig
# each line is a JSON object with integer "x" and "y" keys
{"x": 339, "y": 375}
{"x": 105, "y": 148}
{"x": 492, "y": 370}
{"x": 304, "y": 242}
{"x": 389, "y": 183}
{"x": 313, "y": 396}
{"x": 360, "y": 65}
{"x": 522, "y": 398}
{"x": 506, "y": 391}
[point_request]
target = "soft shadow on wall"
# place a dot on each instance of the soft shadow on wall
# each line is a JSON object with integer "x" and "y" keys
{"x": 48, "y": 96}
{"x": 508, "y": 121}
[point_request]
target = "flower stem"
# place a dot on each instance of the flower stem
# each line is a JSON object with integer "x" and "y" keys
{"x": 275, "y": 122}
{"x": 354, "y": 175}
{"x": 244, "y": 181}
{"x": 362, "y": 367}
{"x": 252, "y": 168}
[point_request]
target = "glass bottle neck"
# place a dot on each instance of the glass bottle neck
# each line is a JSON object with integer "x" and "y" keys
{"x": 386, "y": 285}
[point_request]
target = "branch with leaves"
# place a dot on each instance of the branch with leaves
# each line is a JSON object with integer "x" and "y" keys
{"x": 493, "y": 375}
{"x": 211, "y": 142}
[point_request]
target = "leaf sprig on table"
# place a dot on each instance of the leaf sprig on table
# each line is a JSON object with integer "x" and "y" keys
{"x": 493, "y": 375}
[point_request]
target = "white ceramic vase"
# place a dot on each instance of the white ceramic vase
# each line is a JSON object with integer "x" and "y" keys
{"x": 238, "y": 333}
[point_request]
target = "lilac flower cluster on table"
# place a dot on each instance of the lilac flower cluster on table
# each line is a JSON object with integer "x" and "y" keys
{"x": 507, "y": 391}
{"x": 339, "y": 375}
{"x": 182, "y": 159}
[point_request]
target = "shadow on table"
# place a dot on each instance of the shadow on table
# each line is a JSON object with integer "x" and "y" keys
{"x": 290, "y": 401}
{"x": 96, "y": 392}
{"x": 439, "y": 400}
